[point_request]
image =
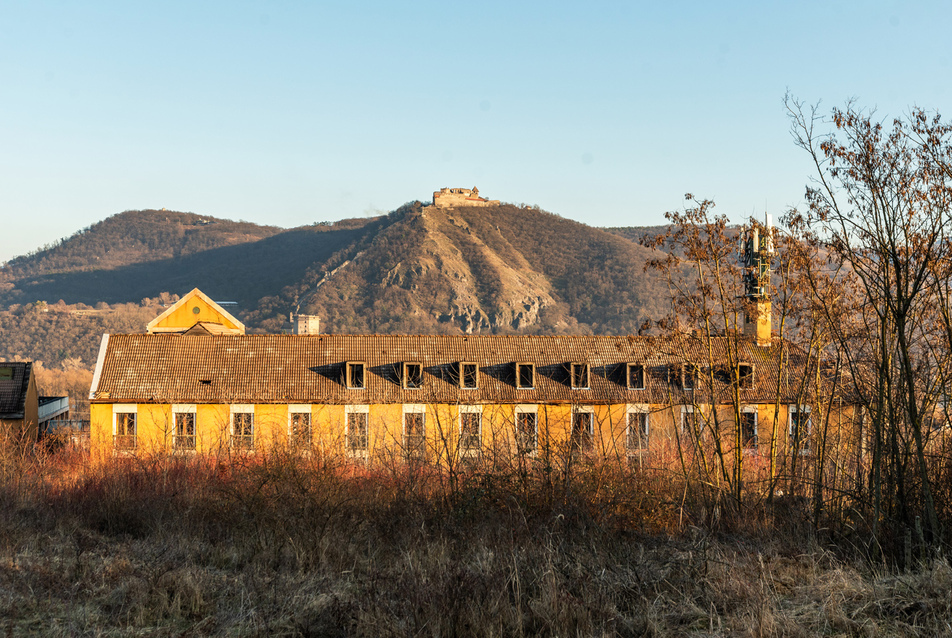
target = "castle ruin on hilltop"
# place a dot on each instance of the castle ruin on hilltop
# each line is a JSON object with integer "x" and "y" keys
{"x": 449, "y": 197}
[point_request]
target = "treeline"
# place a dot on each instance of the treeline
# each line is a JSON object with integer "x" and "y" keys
{"x": 65, "y": 336}
{"x": 135, "y": 237}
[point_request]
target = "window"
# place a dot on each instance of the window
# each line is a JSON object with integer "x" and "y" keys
{"x": 125, "y": 427}
{"x": 525, "y": 376}
{"x": 638, "y": 429}
{"x": 579, "y": 375}
{"x": 414, "y": 429}
{"x": 689, "y": 377}
{"x": 748, "y": 428}
{"x": 470, "y": 421}
{"x": 412, "y": 375}
{"x": 745, "y": 376}
{"x": 299, "y": 426}
{"x": 583, "y": 430}
{"x": 242, "y": 427}
{"x": 692, "y": 422}
{"x": 800, "y": 426}
{"x": 527, "y": 429}
{"x": 468, "y": 376}
{"x": 184, "y": 417}
{"x": 356, "y": 379}
{"x": 636, "y": 376}
{"x": 358, "y": 429}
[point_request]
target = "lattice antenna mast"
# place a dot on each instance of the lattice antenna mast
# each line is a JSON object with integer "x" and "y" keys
{"x": 756, "y": 251}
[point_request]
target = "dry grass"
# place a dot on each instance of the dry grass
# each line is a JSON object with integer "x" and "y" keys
{"x": 290, "y": 547}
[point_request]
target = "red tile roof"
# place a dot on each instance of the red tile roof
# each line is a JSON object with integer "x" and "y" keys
{"x": 164, "y": 368}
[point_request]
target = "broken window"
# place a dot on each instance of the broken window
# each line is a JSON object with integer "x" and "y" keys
{"x": 748, "y": 429}
{"x": 468, "y": 376}
{"x": 579, "y": 375}
{"x": 800, "y": 426}
{"x": 358, "y": 433}
{"x": 300, "y": 429}
{"x": 414, "y": 433}
{"x": 583, "y": 433}
{"x": 125, "y": 431}
{"x": 469, "y": 435}
{"x": 412, "y": 375}
{"x": 689, "y": 377}
{"x": 745, "y": 376}
{"x": 243, "y": 430}
{"x": 637, "y": 431}
{"x": 636, "y": 376}
{"x": 525, "y": 375}
{"x": 355, "y": 375}
{"x": 184, "y": 431}
{"x": 527, "y": 432}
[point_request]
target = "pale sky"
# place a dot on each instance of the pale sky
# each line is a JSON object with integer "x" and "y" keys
{"x": 287, "y": 113}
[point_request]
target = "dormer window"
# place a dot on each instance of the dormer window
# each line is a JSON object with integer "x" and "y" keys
{"x": 580, "y": 375}
{"x": 636, "y": 376}
{"x": 468, "y": 376}
{"x": 412, "y": 376}
{"x": 525, "y": 376}
{"x": 356, "y": 377}
{"x": 745, "y": 376}
{"x": 689, "y": 377}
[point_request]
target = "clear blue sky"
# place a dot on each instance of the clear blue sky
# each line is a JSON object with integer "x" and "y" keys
{"x": 289, "y": 112}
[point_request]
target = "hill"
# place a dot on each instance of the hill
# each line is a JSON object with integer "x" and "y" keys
{"x": 419, "y": 269}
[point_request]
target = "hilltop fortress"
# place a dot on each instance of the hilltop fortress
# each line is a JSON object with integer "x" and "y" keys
{"x": 449, "y": 197}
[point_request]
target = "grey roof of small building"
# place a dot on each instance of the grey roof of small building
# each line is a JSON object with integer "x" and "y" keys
{"x": 168, "y": 368}
{"x": 14, "y": 384}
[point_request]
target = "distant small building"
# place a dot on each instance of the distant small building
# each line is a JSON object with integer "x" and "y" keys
{"x": 305, "y": 324}
{"x": 23, "y": 413}
{"x": 450, "y": 197}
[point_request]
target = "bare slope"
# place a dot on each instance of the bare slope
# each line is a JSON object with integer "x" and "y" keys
{"x": 486, "y": 269}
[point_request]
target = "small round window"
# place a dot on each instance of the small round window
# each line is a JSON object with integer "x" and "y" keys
{"x": 196, "y": 310}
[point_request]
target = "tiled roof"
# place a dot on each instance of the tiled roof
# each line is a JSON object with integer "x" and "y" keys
{"x": 14, "y": 383}
{"x": 165, "y": 368}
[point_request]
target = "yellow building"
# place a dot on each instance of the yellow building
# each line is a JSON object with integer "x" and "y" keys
{"x": 439, "y": 397}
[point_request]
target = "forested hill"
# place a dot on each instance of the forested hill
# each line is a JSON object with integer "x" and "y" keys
{"x": 135, "y": 237}
{"x": 419, "y": 269}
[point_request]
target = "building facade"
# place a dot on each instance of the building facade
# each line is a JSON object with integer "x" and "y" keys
{"x": 441, "y": 397}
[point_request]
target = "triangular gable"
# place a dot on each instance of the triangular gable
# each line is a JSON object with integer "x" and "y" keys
{"x": 195, "y": 307}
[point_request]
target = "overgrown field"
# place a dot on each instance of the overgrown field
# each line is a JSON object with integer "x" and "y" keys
{"x": 287, "y": 546}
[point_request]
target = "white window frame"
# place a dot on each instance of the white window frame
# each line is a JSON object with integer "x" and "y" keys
{"x": 300, "y": 408}
{"x": 184, "y": 408}
{"x": 751, "y": 409}
{"x": 590, "y": 410}
{"x": 356, "y": 409}
{"x": 528, "y": 408}
{"x": 242, "y": 408}
{"x": 804, "y": 437}
{"x": 125, "y": 408}
{"x": 413, "y": 408}
{"x": 637, "y": 408}
{"x": 471, "y": 409}
{"x": 691, "y": 409}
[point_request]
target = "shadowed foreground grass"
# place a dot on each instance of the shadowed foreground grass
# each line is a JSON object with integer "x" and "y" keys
{"x": 289, "y": 547}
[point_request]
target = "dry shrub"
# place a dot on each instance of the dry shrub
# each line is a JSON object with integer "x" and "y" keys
{"x": 281, "y": 545}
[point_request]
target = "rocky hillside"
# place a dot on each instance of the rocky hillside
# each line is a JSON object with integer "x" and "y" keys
{"x": 419, "y": 269}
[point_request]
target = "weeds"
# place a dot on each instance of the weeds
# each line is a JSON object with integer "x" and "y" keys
{"x": 312, "y": 546}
